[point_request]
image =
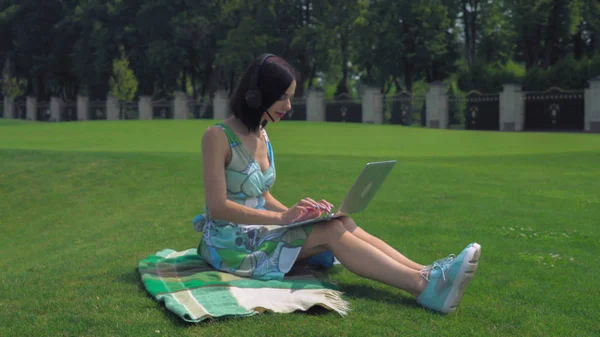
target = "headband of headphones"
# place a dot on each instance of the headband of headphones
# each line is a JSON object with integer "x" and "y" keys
{"x": 253, "y": 95}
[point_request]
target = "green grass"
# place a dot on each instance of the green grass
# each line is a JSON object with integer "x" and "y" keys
{"x": 82, "y": 203}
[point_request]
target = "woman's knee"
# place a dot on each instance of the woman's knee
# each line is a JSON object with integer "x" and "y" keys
{"x": 322, "y": 235}
{"x": 348, "y": 223}
{"x": 331, "y": 230}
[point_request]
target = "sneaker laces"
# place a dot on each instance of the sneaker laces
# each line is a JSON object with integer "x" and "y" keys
{"x": 441, "y": 264}
{"x": 445, "y": 262}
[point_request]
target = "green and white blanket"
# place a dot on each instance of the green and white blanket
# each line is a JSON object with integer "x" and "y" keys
{"x": 195, "y": 291}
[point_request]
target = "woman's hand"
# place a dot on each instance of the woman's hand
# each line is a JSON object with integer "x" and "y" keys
{"x": 323, "y": 205}
{"x": 305, "y": 209}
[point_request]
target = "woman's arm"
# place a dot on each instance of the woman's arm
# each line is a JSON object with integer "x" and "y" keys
{"x": 215, "y": 149}
{"x": 273, "y": 204}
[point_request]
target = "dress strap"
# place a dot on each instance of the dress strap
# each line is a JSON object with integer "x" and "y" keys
{"x": 264, "y": 133}
{"x": 269, "y": 147}
{"x": 232, "y": 138}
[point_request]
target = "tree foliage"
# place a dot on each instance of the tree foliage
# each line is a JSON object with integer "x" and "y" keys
{"x": 67, "y": 47}
{"x": 123, "y": 84}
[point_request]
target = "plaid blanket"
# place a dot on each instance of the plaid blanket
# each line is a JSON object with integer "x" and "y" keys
{"x": 195, "y": 291}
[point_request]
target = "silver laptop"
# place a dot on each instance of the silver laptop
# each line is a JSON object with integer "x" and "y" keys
{"x": 366, "y": 185}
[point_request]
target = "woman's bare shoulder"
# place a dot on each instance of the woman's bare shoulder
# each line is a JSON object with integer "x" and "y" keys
{"x": 214, "y": 135}
{"x": 215, "y": 144}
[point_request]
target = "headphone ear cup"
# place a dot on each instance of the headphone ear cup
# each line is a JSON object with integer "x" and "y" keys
{"x": 254, "y": 99}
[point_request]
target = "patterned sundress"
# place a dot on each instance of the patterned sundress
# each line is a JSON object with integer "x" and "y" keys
{"x": 258, "y": 251}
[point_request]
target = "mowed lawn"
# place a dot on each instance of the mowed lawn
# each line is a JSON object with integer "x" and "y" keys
{"x": 82, "y": 202}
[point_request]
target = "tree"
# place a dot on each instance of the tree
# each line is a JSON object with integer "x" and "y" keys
{"x": 123, "y": 84}
{"x": 403, "y": 40}
{"x": 544, "y": 29}
{"x": 495, "y": 43}
{"x": 12, "y": 87}
{"x": 338, "y": 17}
{"x": 586, "y": 40}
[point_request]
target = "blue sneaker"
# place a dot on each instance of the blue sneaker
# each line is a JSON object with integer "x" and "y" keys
{"x": 448, "y": 280}
{"x": 477, "y": 247}
{"x": 450, "y": 258}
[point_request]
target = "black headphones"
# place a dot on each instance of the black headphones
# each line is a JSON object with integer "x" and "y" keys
{"x": 253, "y": 95}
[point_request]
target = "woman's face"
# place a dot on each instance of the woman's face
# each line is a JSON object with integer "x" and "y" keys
{"x": 282, "y": 105}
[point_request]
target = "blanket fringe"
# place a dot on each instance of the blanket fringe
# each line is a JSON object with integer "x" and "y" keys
{"x": 336, "y": 302}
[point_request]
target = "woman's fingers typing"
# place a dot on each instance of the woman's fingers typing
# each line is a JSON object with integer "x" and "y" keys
{"x": 328, "y": 205}
{"x": 323, "y": 205}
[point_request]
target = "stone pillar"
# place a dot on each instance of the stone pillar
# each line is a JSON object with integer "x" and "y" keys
{"x": 221, "y": 105}
{"x": 112, "y": 108}
{"x": 56, "y": 106}
{"x": 9, "y": 108}
{"x": 180, "y": 107}
{"x": 145, "y": 107}
{"x": 512, "y": 112}
{"x": 592, "y": 106}
{"x": 315, "y": 106}
{"x": 31, "y": 106}
{"x": 437, "y": 106}
{"x": 372, "y": 106}
{"x": 83, "y": 108}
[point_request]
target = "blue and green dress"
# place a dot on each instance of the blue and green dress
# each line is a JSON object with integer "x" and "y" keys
{"x": 258, "y": 251}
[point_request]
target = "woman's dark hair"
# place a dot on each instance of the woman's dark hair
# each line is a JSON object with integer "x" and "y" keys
{"x": 274, "y": 78}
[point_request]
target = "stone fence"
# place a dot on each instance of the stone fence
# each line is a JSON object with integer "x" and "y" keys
{"x": 510, "y": 110}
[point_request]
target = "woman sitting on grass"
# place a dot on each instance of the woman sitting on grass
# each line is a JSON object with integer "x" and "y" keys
{"x": 244, "y": 226}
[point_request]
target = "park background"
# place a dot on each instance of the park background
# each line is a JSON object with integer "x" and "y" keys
{"x": 105, "y": 103}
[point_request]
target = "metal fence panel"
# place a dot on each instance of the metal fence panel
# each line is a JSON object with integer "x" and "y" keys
{"x": 20, "y": 111}
{"x": 343, "y": 109}
{"x": 404, "y": 108}
{"x": 482, "y": 111}
{"x": 200, "y": 110}
{"x": 129, "y": 110}
{"x": 69, "y": 112}
{"x": 555, "y": 109}
{"x": 97, "y": 110}
{"x": 162, "y": 109}
{"x": 43, "y": 111}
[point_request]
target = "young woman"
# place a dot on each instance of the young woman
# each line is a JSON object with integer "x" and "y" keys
{"x": 244, "y": 225}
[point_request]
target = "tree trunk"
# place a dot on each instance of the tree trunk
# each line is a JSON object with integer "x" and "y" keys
{"x": 300, "y": 74}
{"x": 343, "y": 86}
{"x": 299, "y": 85}
{"x": 470, "y": 25}
{"x": 466, "y": 20}
{"x": 578, "y": 44}
{"x": 408, "y": 75}
{"x": 593, "y": 47}
{"x": 40, "y": 85}
{"x": 428, "y": 76}
{"x": 193, "y": 75}
{"x": 231, "y": 84}
{"x": 184, "y": 80}
{"x": 30, "y": 90}
{"x": 531, "y": 48}
{"x": 208, "y": 71}
{"x": 313, "y": 72}
{"x": 473, "y": 47}
{"x": 551, "y": 36}
{"x": 398, "y": 85}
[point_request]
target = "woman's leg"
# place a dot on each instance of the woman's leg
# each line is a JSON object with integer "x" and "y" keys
{"x": 351, "y": 226}
{"x": 362, "y": 258}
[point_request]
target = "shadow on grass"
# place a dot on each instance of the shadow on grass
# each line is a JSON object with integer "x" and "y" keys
{"x": 363, "y": 291}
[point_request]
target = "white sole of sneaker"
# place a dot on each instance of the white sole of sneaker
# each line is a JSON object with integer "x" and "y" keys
{"x": 463, "y": 277}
